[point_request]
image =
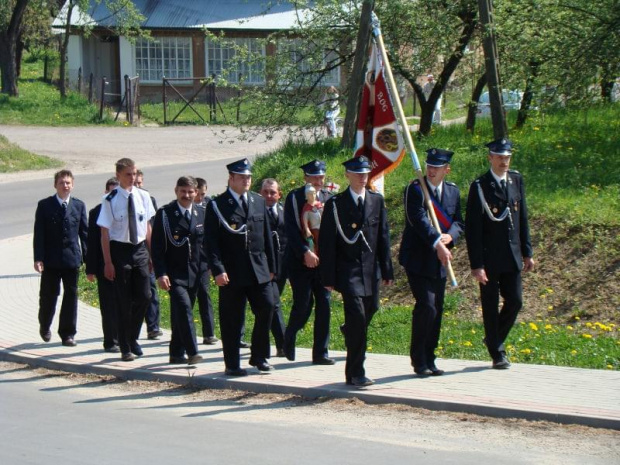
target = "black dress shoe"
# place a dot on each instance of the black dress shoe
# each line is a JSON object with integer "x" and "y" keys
{"x": 289, "y": 352}
{"x": 360, "y": 381}
{"x": 128, "y": 357}
{"x": 343, "y": 329}
{"x": 136, "y": 350}
{"x": 69, "y": 342}
{"x": 194, "y": 359}
{"x": 211, "y": 340}
{"x": 244, "y": 345}
{"x": 235, "y": 372}
{"x": 177, "y": 360}
{"x": 154, "y": 335}
{"x": 45, "y": 334}
{"x": 435, "y": 371}
{"x": 501, "y": 363}
{"x": 324, "y": 361}
{"x": 112, "y": 350}
{"x": 422, "y": 371}
{"x": 261, "y": 366}
{"x": 280, "y": 353}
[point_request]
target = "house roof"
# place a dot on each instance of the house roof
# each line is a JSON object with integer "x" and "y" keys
{"x": 195, "y": 14}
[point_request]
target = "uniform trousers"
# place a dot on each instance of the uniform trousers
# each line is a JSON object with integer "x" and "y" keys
{"x": 232, "y": 304}
{"x": 426, "y": 318}
{"x": 48, "y": 296}
{"x": 277, "y": 322}
{"x": 183, "y": 339}
{"x": 205, "y": 307}
{"x": 308, "y": 289}
{"x": 358, "y": 313}
{"x": 497, "y": 325}
{"x": 107, "y": 305}
{"x": 151, "y": 318}
{"x": 132, "y": 290}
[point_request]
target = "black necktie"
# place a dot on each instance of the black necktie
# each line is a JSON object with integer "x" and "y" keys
{"x": 244, "y": 204}
{"x": 64, "y": 208}
{"x": 502, "y": 183}
{"x": 273, "y": 214}
{"x": 188, "y": 217}
{"x": 437, "y": 193}
{"x": 360, "y": 207}
{"x": 131, "y": 214}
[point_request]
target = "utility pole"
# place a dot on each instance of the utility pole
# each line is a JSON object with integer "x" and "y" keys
{"x": 491, "y": 61}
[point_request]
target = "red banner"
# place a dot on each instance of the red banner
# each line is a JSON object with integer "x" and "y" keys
{"x": 378, "y": 135}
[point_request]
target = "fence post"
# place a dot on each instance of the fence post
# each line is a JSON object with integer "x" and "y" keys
{"x": 90, "y": 88}
{"x": 102, "y": 98}
{"x": 164, "y": 99}
{"x": 79, "y": 83}
{"x": 239, "y": 98}
{"x": 137, "y": 96}
{"x": 127, "y": 96}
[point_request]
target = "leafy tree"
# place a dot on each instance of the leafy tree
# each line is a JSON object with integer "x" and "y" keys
{"x": 11, "y": 24}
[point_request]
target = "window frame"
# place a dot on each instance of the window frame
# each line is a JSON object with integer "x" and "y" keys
{"x": 156, "y": 49}
{"x": 225, "y": 49}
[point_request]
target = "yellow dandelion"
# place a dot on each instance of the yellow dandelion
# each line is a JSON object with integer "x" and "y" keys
{"x": 610, "y": 367}
{"x": 573, "y": 352}
{"x": 587, "y": 336}
{"x": 452, "y": 342}
{"x": 588, "y": 324}
{"x": 369, "y": 349}
{"x": 467, "y": 344}
{"x": 533, "y": 326}
{"x": 569, "y": 327}
{"x": 549, "y": 290}
{"x": 525, "y": 351}
{"x": 548, "y": 327}
{"x": 577, "y": 318}
{"x": 550, "y": 307}
{"x": 535, "y": 128}
{"x": 473, "y": 331}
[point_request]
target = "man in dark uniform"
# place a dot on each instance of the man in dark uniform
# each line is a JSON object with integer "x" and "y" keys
{"x": 125, "y": 241}
{"x": 270, "y": 190}
{"x": 354, "y": 242}
{"x": 94, "y": 271}
{"x": 60, "y": 235}
{"x": 152, "y": 315}
{"x": 499, "y": 246}
{"x": 424, "y": 252}
{"x": 205, "y": 307}
{"x": 177, "y": 249}
{"x": 240, "y": 254}
{"x": 304, "y": 271}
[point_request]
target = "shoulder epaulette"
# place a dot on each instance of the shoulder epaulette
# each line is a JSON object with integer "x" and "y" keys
{"x": 415, "y": 181}
{"x": 450, "y": 183}
{"x": 514, "y": 171}
{"x": 111, "y": 195}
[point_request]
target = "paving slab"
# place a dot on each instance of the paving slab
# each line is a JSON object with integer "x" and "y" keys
{"x": 533, "y": 392}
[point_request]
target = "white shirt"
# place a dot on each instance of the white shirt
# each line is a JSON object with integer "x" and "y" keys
{"x": 498, "y": 179}
{"x": 113, "y": 214}
{"x": 61, "y": 201}
{"x": 355, "y": 196}
{"x": 237, "y": 197}
{"x": 183, "y": 209}
{"x": 432, "y": 188}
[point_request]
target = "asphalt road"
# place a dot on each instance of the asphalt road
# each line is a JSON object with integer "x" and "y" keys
{"x": 18, "y": 199}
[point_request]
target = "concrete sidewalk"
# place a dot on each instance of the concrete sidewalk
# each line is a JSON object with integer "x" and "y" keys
{"x": 534, "y": 392}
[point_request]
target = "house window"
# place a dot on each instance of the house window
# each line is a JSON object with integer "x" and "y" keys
{"x": 165, "y": 56}
{"x": 236, "y": 60}
{"x": 298, "y": 60}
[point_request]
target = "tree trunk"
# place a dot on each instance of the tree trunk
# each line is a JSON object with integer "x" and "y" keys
{"x": 19, "y": 52}
{"x": 428, "y": 107}
{"x": 8, "y": 48}
{"x": 356, "y": 80}
{"x": 472, "y": 106}
{"x": 64, "y": 45}
{"x": 526, "y": 102}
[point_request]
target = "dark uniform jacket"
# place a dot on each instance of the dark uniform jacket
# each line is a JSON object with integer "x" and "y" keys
{"x": 94, "y": 255}
{"x": 417, "y": 254}
{"x": 353, "y": 268}
{"x": 296, "y": 244}
{"x": 60, "y": 241}
{"x": 278, "y": 233}
{"x": 204, "y": 264}
{"x": 180, "y": 263}
{"x": 497, "y": 246}
{"x": 246, "y": 261}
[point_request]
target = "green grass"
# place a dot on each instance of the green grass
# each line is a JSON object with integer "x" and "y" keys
{"x": 543, "y": 342}
{"x": 39, "y": 103}
{"x": 14, "y": 158}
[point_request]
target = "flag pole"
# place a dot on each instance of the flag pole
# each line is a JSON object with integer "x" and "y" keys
{"x": 376, "y": 32}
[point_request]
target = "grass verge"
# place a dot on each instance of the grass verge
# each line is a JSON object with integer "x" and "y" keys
{"x": 14, "y": 158}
